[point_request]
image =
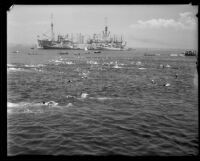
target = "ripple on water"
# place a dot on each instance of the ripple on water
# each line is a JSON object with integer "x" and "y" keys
{"x": 124, "y": 113}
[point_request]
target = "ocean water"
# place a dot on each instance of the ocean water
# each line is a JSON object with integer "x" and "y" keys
{"x": 101, "y": 104}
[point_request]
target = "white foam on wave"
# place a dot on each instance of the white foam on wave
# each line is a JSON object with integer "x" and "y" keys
{"x": 142, "y": 68}
{"x": 69, "y": 105}
{"x": 9, "y": 104}
{"x": 15, "y": 69}
{"x": 20, "y": 104}
{"x": 105, "y": 63}
{"x": 139, "y": 63}
{"x": 31, "y": 104}
{"x": 69, "y": 62}
{"x": 39, "y": 70}
{"x": 10, "y": 65}
{"x": 84, "y": 74}
{"x": 24, "y": 107}
{"x": 61, "y": 61}
{"x": 117, "y": 66}
{"x": 41, "y": 65}
{"x": 58, "y": 61}
{"x": 29, "y": 65}
{"x": 92, "y": 62}
{"x": 51, "y": 103}
{"x": 103, "y": 98}
{"x": 34, "y": 65}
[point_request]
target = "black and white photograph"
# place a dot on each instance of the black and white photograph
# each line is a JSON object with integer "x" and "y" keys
{"x": 102, "y": 80}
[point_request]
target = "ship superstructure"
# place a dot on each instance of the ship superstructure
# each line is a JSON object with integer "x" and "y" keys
{"x": 106, "y": 41}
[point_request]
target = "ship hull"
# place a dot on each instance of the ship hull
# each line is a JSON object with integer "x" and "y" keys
{"x": 46, "y": 44}
{"x": 57, "y": 48}
{"x": 112, "y": 49}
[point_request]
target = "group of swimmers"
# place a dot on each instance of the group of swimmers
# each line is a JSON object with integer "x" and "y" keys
{"x": 165, "y": 84}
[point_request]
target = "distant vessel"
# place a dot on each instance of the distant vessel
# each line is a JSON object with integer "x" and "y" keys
{"x": 97, "y": 51}
{"x": 106, "y": 42}
{"x": 190, "y": 53}
{"x": 50, "y": 42}
{"x": 33, "y": 51}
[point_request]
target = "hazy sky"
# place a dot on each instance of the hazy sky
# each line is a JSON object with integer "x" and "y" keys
{"x": 156, "y": 26}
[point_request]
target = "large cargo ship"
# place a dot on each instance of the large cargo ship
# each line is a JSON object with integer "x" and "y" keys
{"x": 105, "y": 41}
{"x": 58, "y": 44}
{"x": 62, "y": 42}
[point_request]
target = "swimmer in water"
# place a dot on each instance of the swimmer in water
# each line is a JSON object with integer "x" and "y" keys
{"x": 51, "y": 103}
{"x": 153, "y": 82}
{"x": 176, "y": 76}
{"x": 84, "y": 95}
{"x": 71, "y": 98}
{"x": 166, "y": 84}
{"x": 162, "y": 66}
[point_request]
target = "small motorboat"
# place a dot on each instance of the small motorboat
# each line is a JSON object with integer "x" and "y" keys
{"x": 97, "y": 51}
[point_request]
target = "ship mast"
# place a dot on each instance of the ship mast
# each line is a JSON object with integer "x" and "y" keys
{"x": 52, "y": 33}
{"x": 105, "y": 32}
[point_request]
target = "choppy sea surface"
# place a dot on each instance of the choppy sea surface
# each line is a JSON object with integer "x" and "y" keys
{"x": 101, "y": 104}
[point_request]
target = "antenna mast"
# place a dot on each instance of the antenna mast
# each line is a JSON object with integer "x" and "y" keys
{"x": 52, "y": 33}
